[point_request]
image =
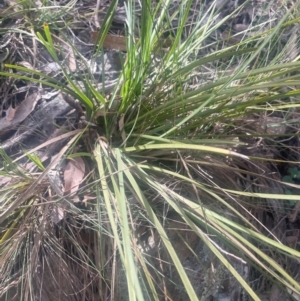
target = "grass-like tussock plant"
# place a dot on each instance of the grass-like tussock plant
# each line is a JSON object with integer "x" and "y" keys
{"x": 175, "y": 187}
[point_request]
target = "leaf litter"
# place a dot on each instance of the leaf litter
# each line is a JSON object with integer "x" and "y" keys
{"x": 74, "y": 171}
{"x": 73, "y": 175}
{"x": 14, "y": 116}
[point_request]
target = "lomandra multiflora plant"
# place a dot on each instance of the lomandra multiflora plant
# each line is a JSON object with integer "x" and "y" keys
{"x": 181, "y": 139}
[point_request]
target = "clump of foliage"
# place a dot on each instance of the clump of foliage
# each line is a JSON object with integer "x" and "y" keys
{"x": 170, "y": 138}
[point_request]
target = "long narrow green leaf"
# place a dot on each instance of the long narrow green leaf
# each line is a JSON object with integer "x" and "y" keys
{"x": 184, "y": 147}
{"x": 256, "y": 235}
{"x": 80, "y": 94}
{"x": 292, "y": 284}
{"x": 204, "y": 237}
{"x": 133, "y": 283}
{"x": 199, "y": 185}
{"x": 98, "y": 153}
{"x": 266, "y": 195}
{"x": 189, "y": 288}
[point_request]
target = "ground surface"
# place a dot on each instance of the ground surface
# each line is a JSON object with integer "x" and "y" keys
{"x": 33, "y": 114}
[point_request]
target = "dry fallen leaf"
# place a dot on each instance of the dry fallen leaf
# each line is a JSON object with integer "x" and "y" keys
{"x": 240, "y": 27}
{"x": 72, "y": 60}
{"x": 73, "y": 175}
{"x": 121, "y": 128}
{"x": 87, "y": 198}
{"x": 19, "y": 114}
{"x": 57, "y": 214}
{"x": 111, "y": 41}
{"x": 4, "y": 180}
{"x": 119, "y": 42}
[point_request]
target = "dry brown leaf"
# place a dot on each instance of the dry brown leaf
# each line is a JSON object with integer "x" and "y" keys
{"x": 72, "y": 60}
{"x": 119, "y": 42}
{"x": 240, "y": 27}
{"x": 4, "y": 180}
{"x": 73, "y": 175}
{"x": 121, "y": 128}
{"x": 57, "y": 214}
{"x": 19, "y": 114}
{"x": 111, "y": 41}
{"x": 87, "y": 198}
{"x": 32, "y": 188}
{"x": 10, "y": 114}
